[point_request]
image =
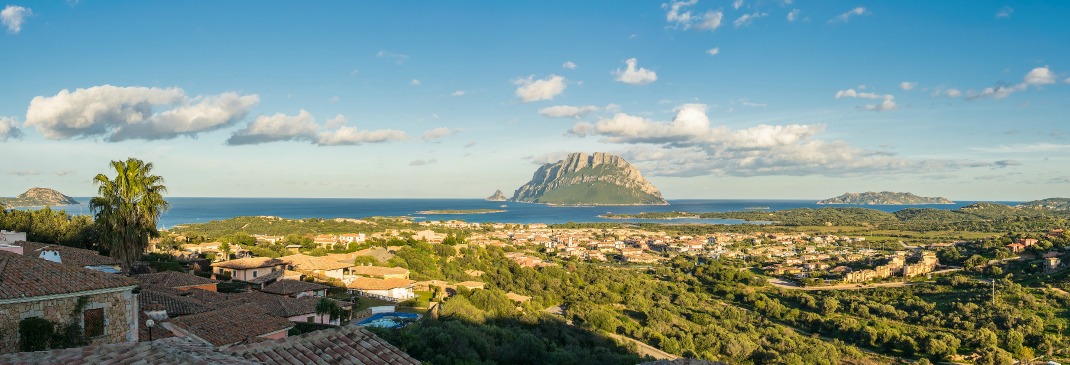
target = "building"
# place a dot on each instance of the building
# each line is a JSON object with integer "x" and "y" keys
{"x": 178, "y": 280}
{"x": 1051, "y": 264}
{"x": 248, "y": 269}
{"x": 230, "y": 326}
{"x": 387, "y": 289}
{"x": 343, "y": 345}
{"x": 32, "y": 287}
{"x": 317, "y": 266}
{"x": 11, "y": 237}
{"x": 297, "y": 289}
{"x": 352, "y": 238}
{"x": 380, "y": 272}
{"x": 88, "y": 259}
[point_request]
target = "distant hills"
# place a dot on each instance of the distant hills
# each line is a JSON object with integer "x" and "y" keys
{"x": 596, "y": 179}
{"x": 1060, "y": 204}
{"x": 884, "y": 198}
{"x": 36, "y": 197}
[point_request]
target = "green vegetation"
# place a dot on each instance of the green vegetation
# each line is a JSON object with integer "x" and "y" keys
{"x": 52, "y": 226}
{"x": 596, "y": 193}
{"x": 128, "y": 208}
{"x": 1062, "y": 204}
{"x": 651, "y": 215}
{"x": 980, "y": 217}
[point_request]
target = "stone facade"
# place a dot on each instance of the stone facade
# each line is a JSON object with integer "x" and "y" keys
{"x": 120, "y": 323}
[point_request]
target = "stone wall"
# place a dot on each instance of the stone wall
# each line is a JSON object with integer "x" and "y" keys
{"x": 118, "y": 319}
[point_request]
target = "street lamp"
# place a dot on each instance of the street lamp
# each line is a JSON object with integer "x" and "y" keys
{"x": 150, "y": 323}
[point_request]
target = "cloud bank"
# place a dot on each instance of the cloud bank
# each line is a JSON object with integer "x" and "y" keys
{"x": 303, "y": 127}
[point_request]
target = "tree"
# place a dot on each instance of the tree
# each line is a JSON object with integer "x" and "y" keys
{"x": 128, "y": 208}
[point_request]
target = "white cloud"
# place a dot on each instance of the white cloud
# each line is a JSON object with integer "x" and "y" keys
{"x": 635, "y": 75}
{"x": 1040, "y": 76}
{"x": 851, "y": 93}
{"x": 954, "y": 93}
{"x": 747, "y": 19}
{"x": 303, "y": 127}
{"x": 120, "y": 113}
{"x": 1005, "y": 12}
{"x": 9, "y": 128}
{"x": 690, "y": 145}
{"x": 713, "y": 51}
{"x": 568, "y": 65}
{"x": 793, "y": 15}
{"x": 13, "y": 16}
{"x": 397, "y": 58}
{"x": 885, "y": 105}
{"x": 905, "y": 85}
{"x": 1041, "y": 147}
{"x": 352, "y": 136}
{"x": 567, "y": 111}
{"x": 439, "y": 132}
{"x": 845, "y": 17}
{"x": 737, "y": 4}
{"x": 277, "y": 127}
{"x": 680, "y": 16}
{"x": 469, "y": 144}
{"x": 530, "y": 89}
{"x": 422, "y": 162}
{"x": 415, "y": 82}
{"x": 1067, "y": 81}
{"x": 457, "y": 93}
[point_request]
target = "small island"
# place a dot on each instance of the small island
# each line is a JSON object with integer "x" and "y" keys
{"x": 884, "y": 198}
{"x": 497, "y": 197}
{"x": 460, "y": 211}
{"x": 652, "y": 215}
{"x": 38, "y": 197}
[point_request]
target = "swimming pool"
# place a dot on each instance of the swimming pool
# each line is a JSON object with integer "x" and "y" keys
{"x": 389, "y": 320}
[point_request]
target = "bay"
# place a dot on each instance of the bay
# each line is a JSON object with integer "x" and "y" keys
{"x": 198, "y": 210}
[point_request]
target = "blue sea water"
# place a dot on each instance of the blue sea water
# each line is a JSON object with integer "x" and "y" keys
{"x": 198, "y": 210}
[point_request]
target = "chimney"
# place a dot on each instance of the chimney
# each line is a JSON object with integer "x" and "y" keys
{"x": 156, "y": 311}
{"x": 11, "y": 248}
{"x": 51, "y": 255}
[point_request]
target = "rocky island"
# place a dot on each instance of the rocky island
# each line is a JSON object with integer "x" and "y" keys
{"x": 884, "y": 198}
{"x": 497, "y": 197}
{"x": 38, "y": 197}
{"x": 582, "y": 179}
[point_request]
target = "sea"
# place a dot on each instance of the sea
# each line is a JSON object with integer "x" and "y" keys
{"x": 199, "y": 210}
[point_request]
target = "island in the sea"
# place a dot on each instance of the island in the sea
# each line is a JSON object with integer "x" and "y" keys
{"x": 38, "y": 197}
{"x": 582, "y": 179}
{"x": 497, "y": 197}
{"x": 884, "y": 198}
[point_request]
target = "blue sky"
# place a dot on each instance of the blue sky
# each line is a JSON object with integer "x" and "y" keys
{"x": 710, "y": 99}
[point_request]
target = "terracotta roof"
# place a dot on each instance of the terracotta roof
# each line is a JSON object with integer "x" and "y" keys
{"x": 264, "y": 279}
{"x": 289, "y": 287}
{"x": 306, "y": 262}
{"x": 249, "y": 263}
{"x": 341, "y": 346}
{"x": 379, "y": 284}
{"x": 176, "y": 302}
{"x": 174, "y": 279}
{"x": 517, "y": 297}
{"x": 68, "y": 255}
{"x": 170, "y": 351}
{"x": 378, "y": 271}
{"x": 22, "y": 277}
{"x": 472, "y": 284}
{"x": 231, "y": 325}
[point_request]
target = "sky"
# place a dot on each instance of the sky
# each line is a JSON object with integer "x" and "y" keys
{"x": 737, "y": 99}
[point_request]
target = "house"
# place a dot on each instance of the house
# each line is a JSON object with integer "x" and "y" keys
{"x": 229, "y": 326}
{"x": 325, "y": 240}
{"x": 429, "y": 236}
{"x": 260, "y": 238}
{"x": 471, "y": 285}
{"x": 32, "y": 287}
{"x": 297, "y": 289}
{"x": 386, "y": 289}
{"x": 380, "y": 272}
{"x": 1051, "y": 264}
{"x": 352, "y": 238}
{"x": 301, "y": 309}
{"x": 11, "y": 236}
{"x": 517, "y": 297}
{"x": 248, "y": 269}
{"x": 178, "y": 280}
{"x": 317, "y": 266}
{"x": 343, "y": 345}
{"x": 88, "y": 259}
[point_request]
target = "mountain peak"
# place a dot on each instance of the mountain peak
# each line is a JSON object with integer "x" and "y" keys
{"x": 38, "y": 197}
{"x": 596, "y": 179}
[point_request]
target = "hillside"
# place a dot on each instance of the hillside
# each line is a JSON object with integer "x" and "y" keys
{"x": 581, "y": 179}
{"x": 884, "y": 198}
{"x": 37, "y": 197}
{"x": 1061, "y": 204}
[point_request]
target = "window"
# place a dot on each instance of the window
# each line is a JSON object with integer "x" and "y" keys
{"x": 310, "y": 319}
{"x": 93, "y": 322}
{"x": 254, "y": 273}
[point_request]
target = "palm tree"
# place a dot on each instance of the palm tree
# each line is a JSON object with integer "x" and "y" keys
{"x": 128, "y": 208}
